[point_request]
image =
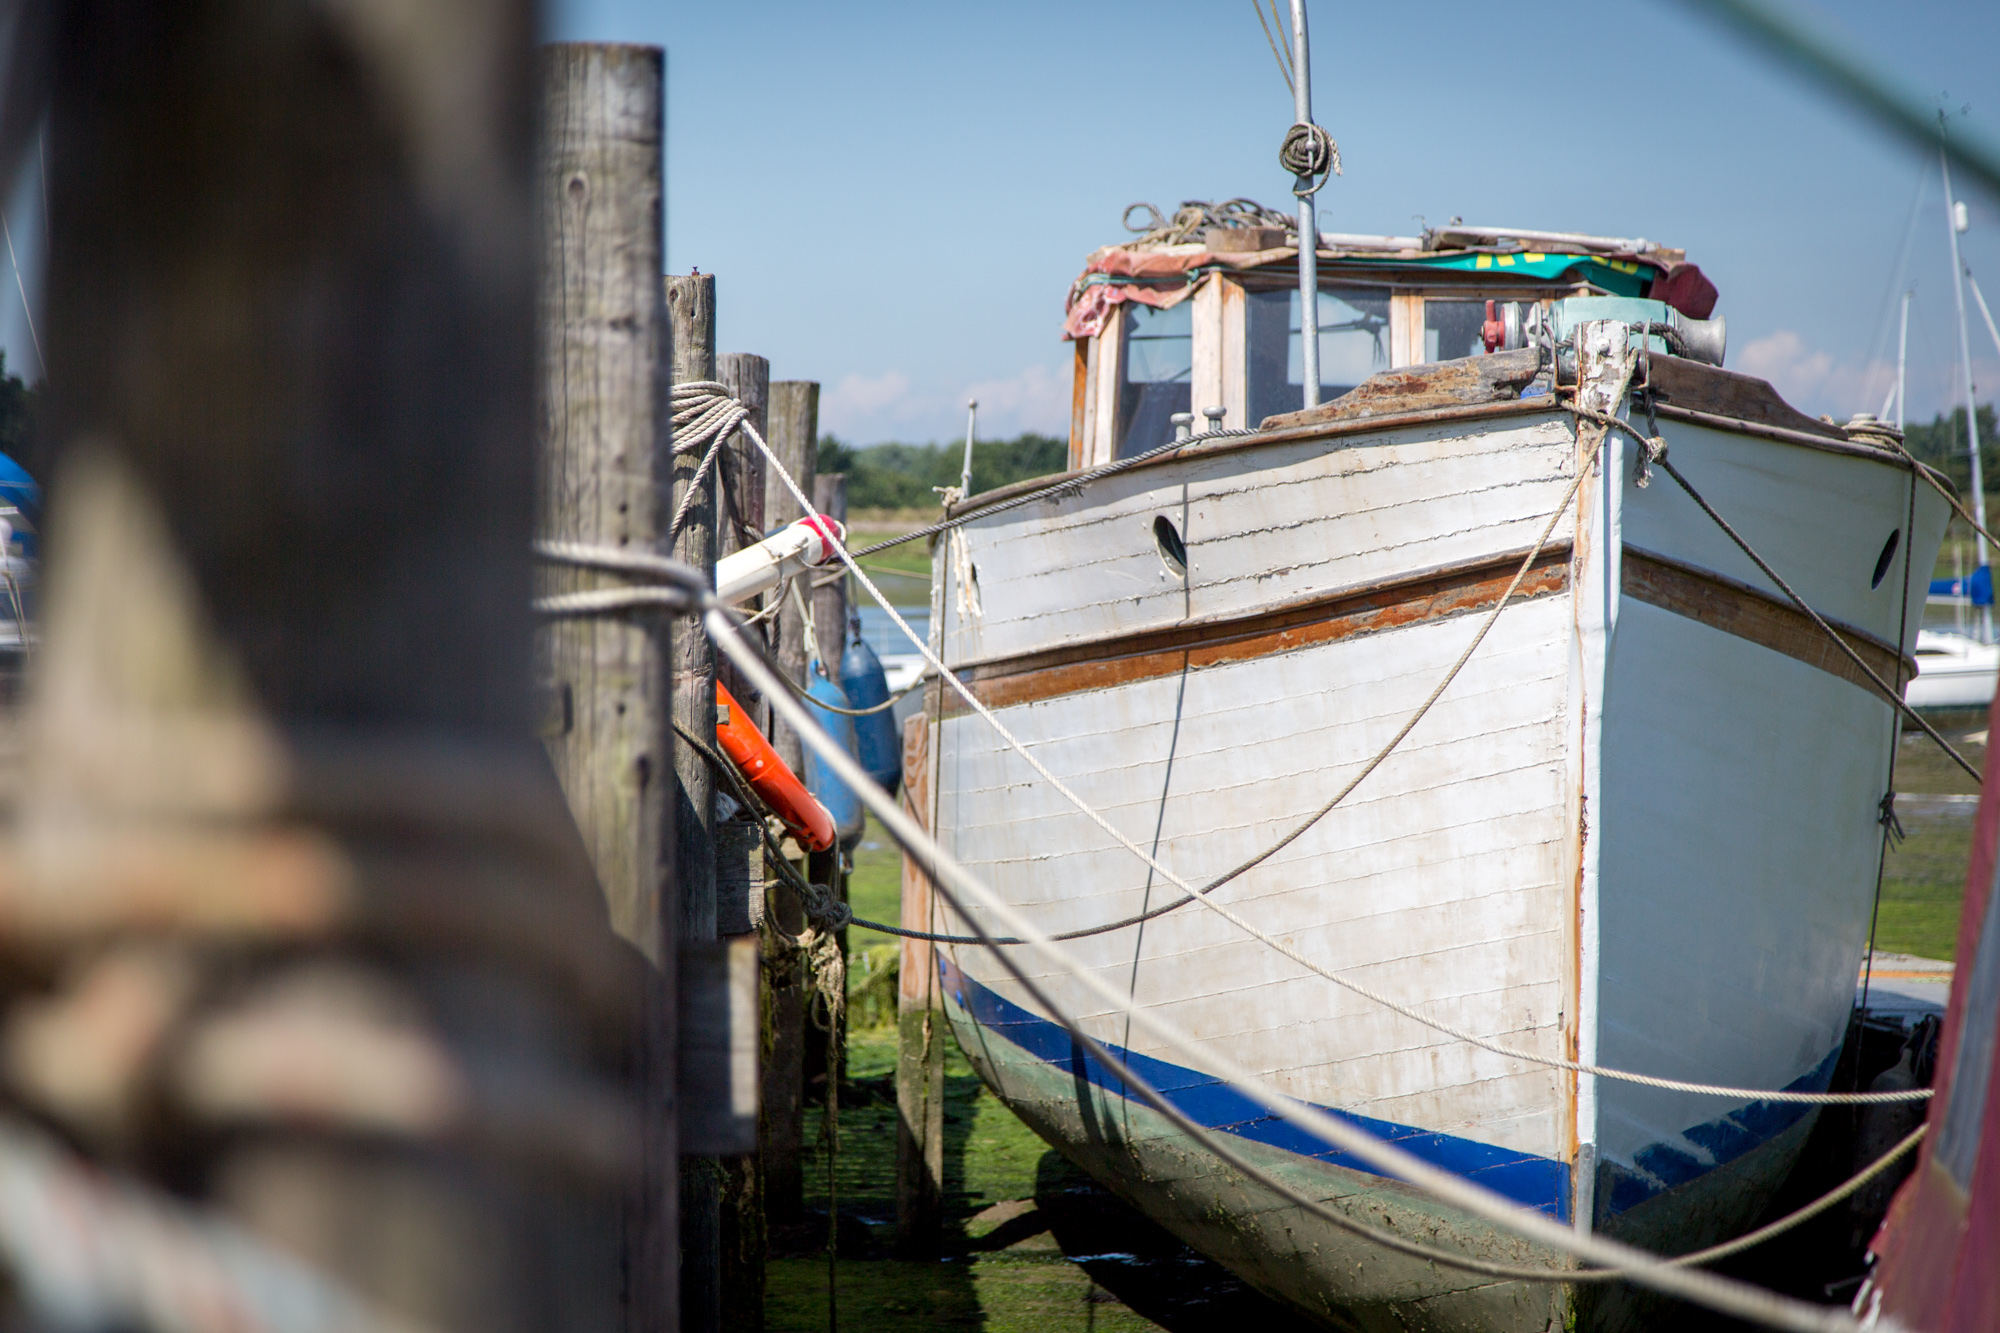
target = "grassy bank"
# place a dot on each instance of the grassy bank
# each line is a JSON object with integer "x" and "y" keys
{"x": 1923, "y": 878}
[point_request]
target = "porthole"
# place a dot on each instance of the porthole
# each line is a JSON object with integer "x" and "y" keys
{"x": 1882, "y": 560}
{"x": 1173, "y": 551}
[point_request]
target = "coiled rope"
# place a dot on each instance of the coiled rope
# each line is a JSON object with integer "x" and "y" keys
{"x": 705, "y": 413}
{"x": 1311, "y": 155}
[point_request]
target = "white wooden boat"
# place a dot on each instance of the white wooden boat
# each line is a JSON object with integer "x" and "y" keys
{"x": 1953, "y": 671}
{"x": 1640, "y": 829}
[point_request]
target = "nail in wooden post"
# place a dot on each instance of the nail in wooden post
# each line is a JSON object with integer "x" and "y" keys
{"x": 691, "y": 319}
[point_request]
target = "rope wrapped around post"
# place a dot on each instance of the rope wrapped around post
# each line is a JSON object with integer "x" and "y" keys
{"x": 705, "y": 415}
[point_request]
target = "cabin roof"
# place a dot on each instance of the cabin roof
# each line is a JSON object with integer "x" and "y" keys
{"x": 1164, "y": 266}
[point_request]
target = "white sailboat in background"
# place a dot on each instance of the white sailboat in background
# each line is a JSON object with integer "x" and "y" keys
{"x": 1958, "y": 667}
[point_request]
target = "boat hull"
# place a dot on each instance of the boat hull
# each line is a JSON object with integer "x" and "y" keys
{"x": 1639, "y": 828}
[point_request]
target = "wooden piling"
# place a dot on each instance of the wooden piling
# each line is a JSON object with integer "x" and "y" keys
{"x": 920, "y": 1035}
{"x": 743, "y": 1239}
{"x": 830, "y": 587}
{"x": 691, "y": 321}
{"x": 793, "y": 436}
{"x": 604, "y": 482}
{"x": 286, "y": 680}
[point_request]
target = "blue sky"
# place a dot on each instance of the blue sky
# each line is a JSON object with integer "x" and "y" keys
{"x": 895, "y": 197}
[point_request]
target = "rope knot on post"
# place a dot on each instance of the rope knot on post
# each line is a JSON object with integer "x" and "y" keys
{"x": 705, "y": 413}
{"x": 1310, "y": 154}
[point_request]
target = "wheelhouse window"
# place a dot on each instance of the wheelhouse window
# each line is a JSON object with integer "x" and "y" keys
{"x": 1158, "y": 365}
{"x": 1353, "y": 344}
{"x": 1452, "y": 329}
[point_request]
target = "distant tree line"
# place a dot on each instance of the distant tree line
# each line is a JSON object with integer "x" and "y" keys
{"x": 903, "y": 476}
{"x": 1942, "y": 445}
{"x": 18, "y": 438}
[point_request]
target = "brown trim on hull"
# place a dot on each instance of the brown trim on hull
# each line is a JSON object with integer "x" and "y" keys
{"x": 1349, "y": 613}
{"x": 1721, "y": 603}
{"x": 1756, "y": 616}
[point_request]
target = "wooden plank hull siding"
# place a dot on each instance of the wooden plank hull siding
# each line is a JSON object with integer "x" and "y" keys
{"x": 1639, "y": 826}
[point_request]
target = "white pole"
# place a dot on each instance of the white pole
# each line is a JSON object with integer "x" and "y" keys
{"x": 965, "y": 473}
{"x": 1302, "y": 113}
{"x": 1984, "y": 313}
{"x": 1894, "y": 398}
{"x": 1965, "y": 357}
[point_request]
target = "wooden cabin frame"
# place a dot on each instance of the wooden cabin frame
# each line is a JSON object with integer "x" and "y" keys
{"x": 1219, "y": 375}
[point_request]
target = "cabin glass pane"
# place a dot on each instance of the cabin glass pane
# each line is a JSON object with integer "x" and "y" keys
{"x": 1158, "y": 369}
{"x": 1353, "y": 344}
{"x": 1452, "y": 329}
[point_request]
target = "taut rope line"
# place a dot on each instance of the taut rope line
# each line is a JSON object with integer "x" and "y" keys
{"x": 1583, "y": 466}
{"x": 958, "y": 887}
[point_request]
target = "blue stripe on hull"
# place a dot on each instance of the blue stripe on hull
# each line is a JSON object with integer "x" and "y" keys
{"x": 1533, "y": 1182}
{"x": 1660, "y": 1167}
{"x": 1540, "y": 1183}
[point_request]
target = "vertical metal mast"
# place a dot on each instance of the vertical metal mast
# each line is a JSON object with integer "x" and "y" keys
{"x": 1302, "y": 113}
{"x": 965, "y": 473}
{"x": 1902, "y": 359}
{"x": 1965, "y": 359}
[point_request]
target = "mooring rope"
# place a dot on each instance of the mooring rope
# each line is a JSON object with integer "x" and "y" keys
{"x": 1888, "y": 692}
{"x": 959, "y": 888}
{"x": 1584, "y": 463}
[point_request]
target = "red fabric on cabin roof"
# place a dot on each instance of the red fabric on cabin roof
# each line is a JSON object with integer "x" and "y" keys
{"x": 1091, "y": 304}
{"x": 1687, "y": 289}
{"x": 1938, "y": 1267}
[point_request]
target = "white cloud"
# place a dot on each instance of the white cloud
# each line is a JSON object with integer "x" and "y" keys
{"x": 1816, "y": 382}
{"x": 867, "y": 409}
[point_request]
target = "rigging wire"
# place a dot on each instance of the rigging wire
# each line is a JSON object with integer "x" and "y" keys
{"x": 1284, "y": 65}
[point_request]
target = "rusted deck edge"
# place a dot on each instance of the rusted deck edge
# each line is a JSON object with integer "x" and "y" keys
{"x": 1834, "y": 442}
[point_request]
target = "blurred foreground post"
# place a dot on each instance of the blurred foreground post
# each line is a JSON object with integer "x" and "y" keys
{"x": 605, "y": 458}
{"x": 794, "y": 434}
{"x": 691, "y": 319}
{"x": 296, "y": 921}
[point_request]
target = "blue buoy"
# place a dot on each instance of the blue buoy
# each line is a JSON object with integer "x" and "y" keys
{"x": 839, "y": 800}
{"x": 879, "y": 746}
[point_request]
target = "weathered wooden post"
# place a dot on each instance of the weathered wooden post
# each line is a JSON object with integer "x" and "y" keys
{"x": 829, "y": 602}
{"x": 794, "y": 438}
{"x": 691, "y": 318}
{"x": 605, "y": 463}
{"x": 742, "y": 1238}
{"x": 290, "y": 882}
{"x": 920, "y": 1034}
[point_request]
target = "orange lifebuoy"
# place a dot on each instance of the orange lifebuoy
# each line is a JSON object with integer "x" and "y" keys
{"x": 767, "y": 775}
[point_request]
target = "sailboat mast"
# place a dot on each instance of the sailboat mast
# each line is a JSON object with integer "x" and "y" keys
{"x": 1902, "y": 359}
{"x": 1302, "y": 114}
{"x": 1965, "y": 358}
